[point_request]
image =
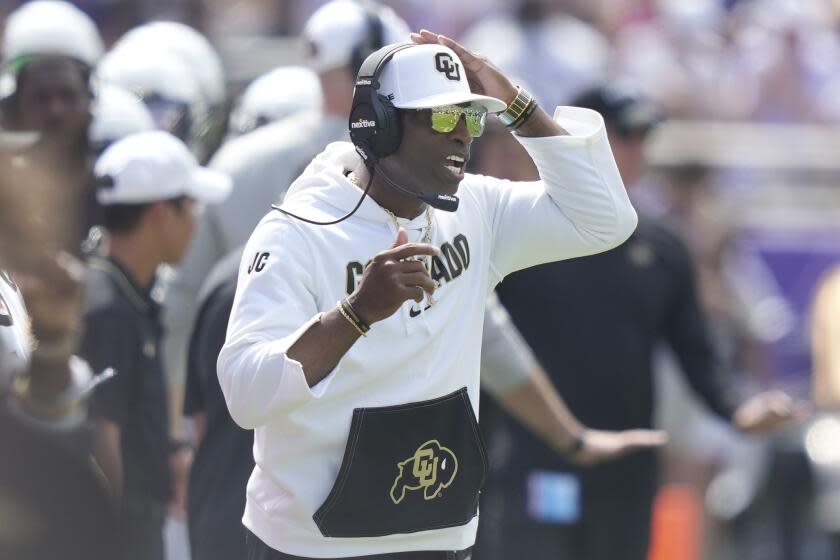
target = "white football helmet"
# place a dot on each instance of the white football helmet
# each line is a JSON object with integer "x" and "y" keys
{"x": 162, "y": 82}
{"x": 116, "y": 114}
{"x": 275, "y": 95}
{"x": 47, "y": 27}
{"x": 197, "y": 54}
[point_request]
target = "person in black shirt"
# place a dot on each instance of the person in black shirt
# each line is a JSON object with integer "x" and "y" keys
{"x": 149, "y": 186}
{"x": 594, "y": 324}
{"x": 224, "y": 458}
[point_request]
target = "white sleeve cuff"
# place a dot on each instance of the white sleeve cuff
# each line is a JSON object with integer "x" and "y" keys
{"x": 293, "y": 383}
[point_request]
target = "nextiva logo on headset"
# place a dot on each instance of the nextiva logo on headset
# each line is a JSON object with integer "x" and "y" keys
{"x": 362, "y": 124}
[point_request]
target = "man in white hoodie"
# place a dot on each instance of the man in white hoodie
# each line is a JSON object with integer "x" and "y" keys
{"x": 364, "y": 411}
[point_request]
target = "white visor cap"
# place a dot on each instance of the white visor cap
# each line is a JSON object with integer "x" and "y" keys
{"x": 152, "y": 166}
{"x": 426, "y": 76}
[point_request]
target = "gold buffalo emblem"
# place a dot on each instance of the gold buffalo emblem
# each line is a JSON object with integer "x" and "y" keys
{"x": 431, "y": 469}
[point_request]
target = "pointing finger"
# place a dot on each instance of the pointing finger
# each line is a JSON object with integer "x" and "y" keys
{"x": 402, "y": 239}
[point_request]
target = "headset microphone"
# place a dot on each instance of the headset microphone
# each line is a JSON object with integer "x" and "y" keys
{"x": 444, "y": 202}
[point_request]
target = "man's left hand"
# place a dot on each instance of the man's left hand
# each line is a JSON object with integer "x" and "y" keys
{"x": 769, "y": 411}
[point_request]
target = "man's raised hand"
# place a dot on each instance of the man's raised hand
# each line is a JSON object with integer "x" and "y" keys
{"x": 392, "y": 277}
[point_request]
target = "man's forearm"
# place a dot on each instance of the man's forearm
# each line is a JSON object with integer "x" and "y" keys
{"x": 537, "y": 405}
{"x": 540, "y": 124}
{"x": 107, "y": 451}
{"x": 322, "y": 345}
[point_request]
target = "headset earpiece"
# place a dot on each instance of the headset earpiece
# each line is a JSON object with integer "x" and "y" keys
{"x": 388, "y": 135}
{"x": 375, "y": 126}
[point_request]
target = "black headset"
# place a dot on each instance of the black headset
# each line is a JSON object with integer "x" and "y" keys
{"x": 375, "y": 126}
{"x": 376, "y": 132}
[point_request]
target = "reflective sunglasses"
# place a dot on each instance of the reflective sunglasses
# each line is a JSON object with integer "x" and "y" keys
{"x": 446, "y": 118}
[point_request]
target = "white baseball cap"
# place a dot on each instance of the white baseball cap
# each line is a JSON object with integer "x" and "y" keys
{"x": 426, "y": 76}
{"x": 152, "y": 166}
{"x": 337, "y": 28}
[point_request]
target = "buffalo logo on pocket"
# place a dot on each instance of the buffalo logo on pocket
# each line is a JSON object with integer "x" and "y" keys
{"x": 432, "y": 468}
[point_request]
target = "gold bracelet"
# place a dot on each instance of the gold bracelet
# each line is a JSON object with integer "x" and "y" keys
{"x": 355, "y": 316}
{"x": 358, "y": 326}
{"x": 361, "y": 323}
{"x": 517, "y": 107}
{"x": 526, "y": 114}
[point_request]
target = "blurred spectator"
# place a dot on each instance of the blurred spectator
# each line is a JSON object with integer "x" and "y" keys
{"x": 688, "y": 57}
{"x": 795, "y": 51}
{"x": 49, "y": 51}
{"x": 150, "y": 183}
{"x": 182, "y": 43}
{"x": 264, "y": 163}
{"x": 613, "y": 309}
{"x": 54, "y": 501}
{"x": 557, "y": 54}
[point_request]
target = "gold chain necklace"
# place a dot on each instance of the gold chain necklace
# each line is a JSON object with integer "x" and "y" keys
{"x": 427, "y": 234}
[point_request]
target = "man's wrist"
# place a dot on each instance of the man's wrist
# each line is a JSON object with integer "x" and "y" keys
{"x": 512, "y": 116}
{"x": 359, "y": 309}
{"x": 349, "y": 313}
{"x": 575, "y": 443}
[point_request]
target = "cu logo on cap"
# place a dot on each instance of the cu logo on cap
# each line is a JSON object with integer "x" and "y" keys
{"x": 446, "y": 65}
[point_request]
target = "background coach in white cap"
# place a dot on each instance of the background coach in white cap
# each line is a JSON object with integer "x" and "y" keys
{"x": 364, "y": 411}
{"x": 149, "y": 184}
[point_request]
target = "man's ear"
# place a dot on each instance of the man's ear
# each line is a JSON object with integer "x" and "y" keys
{"x": 156, "y": 213}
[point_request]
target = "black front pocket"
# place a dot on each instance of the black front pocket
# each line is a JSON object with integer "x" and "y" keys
{"x": 407, "y": 468}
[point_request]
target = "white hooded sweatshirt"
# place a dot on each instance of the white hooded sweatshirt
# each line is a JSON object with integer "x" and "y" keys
{"x": 292, "y": 272}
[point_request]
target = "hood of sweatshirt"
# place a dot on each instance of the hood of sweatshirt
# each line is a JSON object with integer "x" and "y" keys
{"x": 324, "y": 183}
